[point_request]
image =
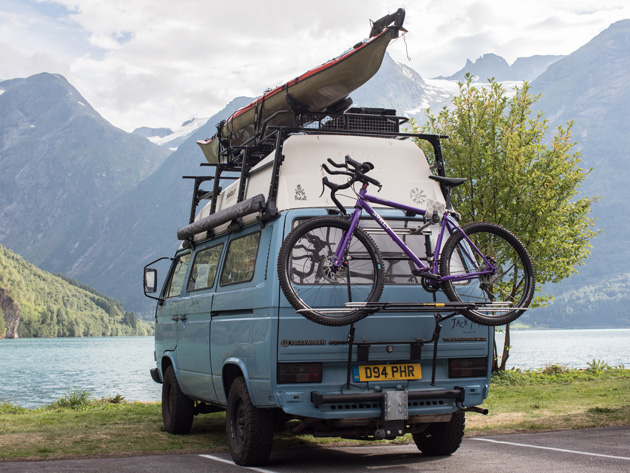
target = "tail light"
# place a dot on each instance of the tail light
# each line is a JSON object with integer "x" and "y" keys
{"x": 299, "y": 373}
{"x": 467, "y": 367}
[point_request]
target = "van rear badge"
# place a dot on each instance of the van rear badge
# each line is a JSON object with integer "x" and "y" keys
{"x": 299, "y": 193}
{"x": 285, "y": 343}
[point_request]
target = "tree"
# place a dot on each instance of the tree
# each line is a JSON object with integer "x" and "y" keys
{"x": 130, "y": 319}
{"x": 517, "y": 177}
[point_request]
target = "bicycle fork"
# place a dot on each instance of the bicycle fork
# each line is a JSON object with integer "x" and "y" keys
{"x": 340, "y": 258}
{"x": 467, "y": 252}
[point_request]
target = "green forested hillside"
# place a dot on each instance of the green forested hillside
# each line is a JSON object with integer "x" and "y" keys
{"x": 55, "y": 306}
{"x": 601, "y": 305}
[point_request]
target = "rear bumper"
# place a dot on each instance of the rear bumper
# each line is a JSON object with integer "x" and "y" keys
{"x": 318, "y": 399}
{"x": 155, "y": 375}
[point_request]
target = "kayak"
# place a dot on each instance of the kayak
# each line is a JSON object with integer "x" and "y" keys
{"x": 317, "y": 90}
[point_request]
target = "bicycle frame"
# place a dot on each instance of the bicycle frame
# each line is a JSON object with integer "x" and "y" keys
{"x": 447, "y": 223}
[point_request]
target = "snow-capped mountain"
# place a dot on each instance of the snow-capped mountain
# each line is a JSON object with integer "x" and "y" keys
{"x": 171, "y": 137}
{"x": 491, "y": 65}
{"x": 397, "y": 86}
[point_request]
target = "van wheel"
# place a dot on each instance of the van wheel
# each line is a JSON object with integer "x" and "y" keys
{"x": 442, "y": 438}
{"x": 249, "y": 429}
{"x": 177, "y": 409}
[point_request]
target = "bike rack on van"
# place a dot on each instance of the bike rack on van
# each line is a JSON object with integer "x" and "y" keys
{"x": 400, "y": 397}
{"x": 438, "y": 308}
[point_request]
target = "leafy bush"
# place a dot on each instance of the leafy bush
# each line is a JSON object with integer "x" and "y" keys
{"x": 507, "y": 377}
{"x": 597, "y": 366}
{"x": 8, "y": 408}
{"x": 556, "y": 368}
{"x": 75, "y": 399}
{"x": 117, "y": 399}
{"x": 560, "y": 374}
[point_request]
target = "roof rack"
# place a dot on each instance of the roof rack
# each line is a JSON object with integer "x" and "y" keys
{"x": 237, "y": 161}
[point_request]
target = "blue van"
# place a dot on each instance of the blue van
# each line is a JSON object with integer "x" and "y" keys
{"x": 227, "y": 339}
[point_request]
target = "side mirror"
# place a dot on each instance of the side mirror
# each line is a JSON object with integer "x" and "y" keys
{"x": 150, "y": 280}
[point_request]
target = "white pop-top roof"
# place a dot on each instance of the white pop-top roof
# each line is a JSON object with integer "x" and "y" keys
{"x": 398, "y": 164}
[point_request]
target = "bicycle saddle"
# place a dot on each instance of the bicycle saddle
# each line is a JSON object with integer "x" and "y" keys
{"x": 449, "y": 181}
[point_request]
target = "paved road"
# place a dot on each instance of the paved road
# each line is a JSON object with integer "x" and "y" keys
{"x": 586, "y": 451}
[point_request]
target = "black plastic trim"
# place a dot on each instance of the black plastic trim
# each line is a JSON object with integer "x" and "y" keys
{"x": 319, "y": 399}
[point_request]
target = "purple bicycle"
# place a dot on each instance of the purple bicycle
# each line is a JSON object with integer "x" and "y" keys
{"x": 331, "y": 270}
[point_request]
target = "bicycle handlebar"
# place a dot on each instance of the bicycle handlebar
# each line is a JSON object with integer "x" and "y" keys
{"x": 355, "y": 170}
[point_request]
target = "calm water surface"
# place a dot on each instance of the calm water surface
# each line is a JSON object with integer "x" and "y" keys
{"x": 37, "y": 371}
{"x": 34, "y": 372}
{"x": 533, "y": 349}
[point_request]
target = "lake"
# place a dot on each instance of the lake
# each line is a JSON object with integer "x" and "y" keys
{"x": 37, "y": 371}
{"x": 34, "y": 372}
{"x": 533, "y": 349}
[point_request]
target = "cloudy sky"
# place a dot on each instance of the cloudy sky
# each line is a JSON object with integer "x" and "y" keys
{"x": 160, "y": 62}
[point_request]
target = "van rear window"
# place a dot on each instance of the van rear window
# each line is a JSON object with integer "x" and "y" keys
{"x": 398, "y": 267}
{"x": 240, "y": 260}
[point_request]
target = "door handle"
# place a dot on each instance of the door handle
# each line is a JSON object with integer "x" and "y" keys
{"x": 175, "y": 318}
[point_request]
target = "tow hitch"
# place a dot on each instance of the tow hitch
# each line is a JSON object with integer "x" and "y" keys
{"x": 395, "y": 414}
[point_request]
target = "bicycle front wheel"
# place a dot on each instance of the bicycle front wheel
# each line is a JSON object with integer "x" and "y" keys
{"x": 317, "y": 289}
{"x": 505, "y": 292}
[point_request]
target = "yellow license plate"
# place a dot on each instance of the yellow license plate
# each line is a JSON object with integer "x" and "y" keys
{"x": 394, "y": 372}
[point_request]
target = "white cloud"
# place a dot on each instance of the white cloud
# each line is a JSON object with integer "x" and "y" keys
{"x": 158, "y": 62}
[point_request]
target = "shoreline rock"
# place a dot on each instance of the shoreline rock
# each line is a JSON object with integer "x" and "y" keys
{"x": 11, "y": 311}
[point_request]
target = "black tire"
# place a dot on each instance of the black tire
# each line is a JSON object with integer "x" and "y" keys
{"x": 178, "y": 410}
{"x": 442, "y": 438}
{"x": 512, "y": 284}
{"x": 307, "y": 279}
{"x": 249, "y": 429}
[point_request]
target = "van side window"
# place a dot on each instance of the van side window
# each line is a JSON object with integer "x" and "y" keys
{"x": 177, "y": 278}
{"x": 204, "y": 268}
{"x": 240, "y": 260}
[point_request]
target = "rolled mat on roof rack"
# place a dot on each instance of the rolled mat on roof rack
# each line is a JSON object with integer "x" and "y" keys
{"x": 234, "y": 212}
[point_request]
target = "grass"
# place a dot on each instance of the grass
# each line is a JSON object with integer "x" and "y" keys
{"x": 100, "y": 428}
{"x": 555, "y": 398}
{"x": 78, "y": 426}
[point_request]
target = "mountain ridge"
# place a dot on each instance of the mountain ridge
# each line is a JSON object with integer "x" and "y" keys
{"x": 150, "y": 229}
{"x": 60, "y": 161}
{"x": 108, "y": 247}
{"x": 491, "y": 65}
{"x": 601, "y": 118}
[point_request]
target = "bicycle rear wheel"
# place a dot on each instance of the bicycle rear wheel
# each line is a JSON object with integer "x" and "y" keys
{"x": 318, "y": 290}
{"x": 509, "y": 289}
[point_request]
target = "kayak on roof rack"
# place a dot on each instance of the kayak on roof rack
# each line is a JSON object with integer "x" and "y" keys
{"x": 324, "y": 88}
